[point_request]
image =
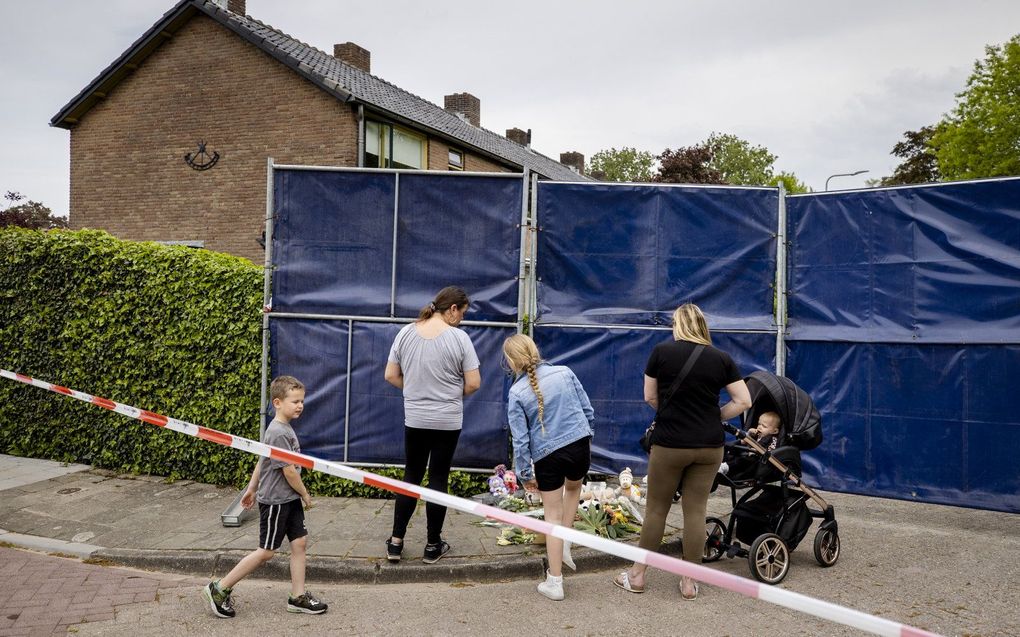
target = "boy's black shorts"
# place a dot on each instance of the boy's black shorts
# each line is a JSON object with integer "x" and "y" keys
{"x": 571, "y": 462}
{"x": 279, "y": 520}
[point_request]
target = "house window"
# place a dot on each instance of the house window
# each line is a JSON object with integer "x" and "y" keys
{"x": 388, "y": 146}
{"x": 456, "y": 160}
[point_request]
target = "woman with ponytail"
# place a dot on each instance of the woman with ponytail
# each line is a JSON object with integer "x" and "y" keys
{"x": 551, "y": 422}
{"x": 435, "y": 364}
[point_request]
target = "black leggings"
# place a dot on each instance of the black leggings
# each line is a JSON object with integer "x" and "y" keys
{"x": 431, "y": 448}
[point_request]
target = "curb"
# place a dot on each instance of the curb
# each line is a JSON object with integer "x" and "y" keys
{"x": 330, "y": 570}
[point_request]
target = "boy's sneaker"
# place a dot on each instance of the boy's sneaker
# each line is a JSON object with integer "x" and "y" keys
{"x": 219, "y": 600}
{"x": 306, "y": 603}
{"x": 435, "y": 551}
{"x": 393, "y": 550}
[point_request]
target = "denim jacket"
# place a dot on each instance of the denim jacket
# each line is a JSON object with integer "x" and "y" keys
{"x": 568, "y": 416}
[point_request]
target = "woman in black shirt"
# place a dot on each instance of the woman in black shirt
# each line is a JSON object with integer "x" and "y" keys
{"x": 687, "y": 442}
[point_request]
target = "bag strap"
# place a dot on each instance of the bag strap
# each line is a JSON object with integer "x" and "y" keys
{"x": 683, "y": 374}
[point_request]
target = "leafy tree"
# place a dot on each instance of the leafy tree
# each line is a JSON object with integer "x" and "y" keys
{"x": 981, "y": 137}
{"x": 688, "y": 165}
{"x": 793, "y": 185}
{"x": 739, "y": 162}
{"x": 919, "y": 165}
{"x": 626, "y": 164}
{"x": 30, "y": 214}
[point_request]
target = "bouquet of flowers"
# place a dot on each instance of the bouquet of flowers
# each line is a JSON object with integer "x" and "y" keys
{"x": 605, "y": 519}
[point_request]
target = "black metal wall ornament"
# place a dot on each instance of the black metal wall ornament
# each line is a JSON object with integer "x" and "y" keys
{"x": 202, "y": 160}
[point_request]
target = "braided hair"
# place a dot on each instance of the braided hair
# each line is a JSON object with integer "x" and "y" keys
{"x": 522, "y": 354}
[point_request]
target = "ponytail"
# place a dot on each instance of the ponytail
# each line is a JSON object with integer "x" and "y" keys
{"x": 447, "y": 298}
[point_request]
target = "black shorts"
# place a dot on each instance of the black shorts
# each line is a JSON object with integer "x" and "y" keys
{"x": 279, "y": 520}
{"x": 571, "y": 463}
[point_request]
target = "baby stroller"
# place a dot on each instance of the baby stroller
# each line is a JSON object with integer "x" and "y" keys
{"x": 774, "y": 515}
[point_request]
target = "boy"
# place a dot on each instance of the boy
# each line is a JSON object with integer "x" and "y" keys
{"x": 278, "y": 488}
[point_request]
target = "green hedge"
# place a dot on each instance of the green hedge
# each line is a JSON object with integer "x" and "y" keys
{"x": 170, "y": 329}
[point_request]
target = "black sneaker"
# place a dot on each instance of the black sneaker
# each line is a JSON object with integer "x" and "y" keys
{"x": 219, "y": 600}
{"x": 435, "y": 551}
{"x": 393, "y": 550}
{"x": 306, "y": 603}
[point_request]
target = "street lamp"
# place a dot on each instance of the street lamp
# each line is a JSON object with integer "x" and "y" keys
{"x": 843, "y": 175}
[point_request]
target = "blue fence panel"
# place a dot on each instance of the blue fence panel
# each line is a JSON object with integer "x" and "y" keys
{"x": 459, "y": 230}
{"x": 377, "y": 408}
{"x": 926, "y": 422}
{"x": 610, "y": 364}
{"x": 937, "y": 264}
{"x": 332, "y": 242}
{"x": 611, "y": 254}
{"x": 315, "y": 352}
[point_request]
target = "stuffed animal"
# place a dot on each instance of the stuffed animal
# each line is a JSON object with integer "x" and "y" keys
{"x": 497, "y": 487}
{"x": 627, "y": 488}
{"x": 510, "y": 480}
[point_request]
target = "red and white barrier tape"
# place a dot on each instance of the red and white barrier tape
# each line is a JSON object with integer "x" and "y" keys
{"x": 741, "y": 585}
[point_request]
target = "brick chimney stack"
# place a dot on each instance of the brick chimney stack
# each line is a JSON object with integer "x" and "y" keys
{"x": 518, "y": 136}
{"x": 353, "y": 55}
{"x": 467, "y": 105}
{"x": 236, "y": 6}
{"x": 574, "y": 160}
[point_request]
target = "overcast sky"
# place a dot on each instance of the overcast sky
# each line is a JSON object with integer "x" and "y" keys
{"x": 827, "y": 87}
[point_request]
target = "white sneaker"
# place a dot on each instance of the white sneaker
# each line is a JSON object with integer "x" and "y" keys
{"x": 568, "y": 560}
{"x": 724, "y": 468}
{"x": 552, "y": 587}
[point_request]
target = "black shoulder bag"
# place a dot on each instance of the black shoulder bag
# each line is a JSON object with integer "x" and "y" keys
{"x": 646, "y": 439}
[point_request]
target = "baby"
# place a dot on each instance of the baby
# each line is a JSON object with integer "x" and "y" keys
{"x": 765, "y": 434}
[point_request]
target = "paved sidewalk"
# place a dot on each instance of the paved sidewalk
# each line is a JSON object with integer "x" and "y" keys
{"x": 42, "y": 595}
{"x": 146, "y": 522}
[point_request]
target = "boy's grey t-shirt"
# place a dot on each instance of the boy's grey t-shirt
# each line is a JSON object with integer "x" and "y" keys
{"x": 433, "y": 370}
{"x": 273, "y": 486}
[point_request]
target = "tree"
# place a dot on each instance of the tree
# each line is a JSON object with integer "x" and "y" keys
{"x": 688, "y": 165}
{"x": 739, "y": 162}
{"x": 981, "y": 137}
{"x": 919, "y": 165}
{"x": 30, "y": 214}
{"x": 626, "y": 164}
{"x": 793, "y": 185}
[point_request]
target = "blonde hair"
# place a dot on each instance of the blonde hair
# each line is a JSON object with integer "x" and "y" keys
{"x": 689, "y": 325}
{"x": 283, "y": 384}
{"x": 522, "y": 354}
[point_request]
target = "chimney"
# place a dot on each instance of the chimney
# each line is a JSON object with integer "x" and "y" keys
{"x": 574, "y": 160}
{"x": 518, "y": 136}
{"x": 353, "y": 55}
{"x": 235, "y": 6}
{"x": 465, "y": 104}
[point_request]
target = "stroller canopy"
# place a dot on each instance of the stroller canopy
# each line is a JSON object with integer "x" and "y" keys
{"x": 802, "y": 424}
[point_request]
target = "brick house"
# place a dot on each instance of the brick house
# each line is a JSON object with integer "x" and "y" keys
{"x": 206, "y": 73}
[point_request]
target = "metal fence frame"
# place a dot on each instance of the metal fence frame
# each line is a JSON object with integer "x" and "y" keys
{"x": 268, "y": 314}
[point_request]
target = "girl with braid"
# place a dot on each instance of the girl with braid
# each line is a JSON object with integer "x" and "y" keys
{"x": 551, "y": 422}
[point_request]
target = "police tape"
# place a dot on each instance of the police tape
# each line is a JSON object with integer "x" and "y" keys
{"x": 734, "y": 583}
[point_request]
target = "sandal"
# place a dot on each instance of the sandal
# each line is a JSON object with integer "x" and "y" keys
{"x": 692, "y": 597}
{"x": 623, "y": 581}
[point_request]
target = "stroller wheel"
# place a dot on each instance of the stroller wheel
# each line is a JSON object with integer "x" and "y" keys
{"x": 769, "y": 558}
{"x": 715, "y": 530}
{"x": 826, "y": 547}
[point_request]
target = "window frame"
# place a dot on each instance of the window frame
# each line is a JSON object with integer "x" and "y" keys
{"x": 385, "y": 144}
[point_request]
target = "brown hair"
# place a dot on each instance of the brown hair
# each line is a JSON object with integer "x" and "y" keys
{"x": 522, "y": 354}
{"x": 447, "y": 298}
{"x": 283, "y": 384}
{"x": 689, "y": 325}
